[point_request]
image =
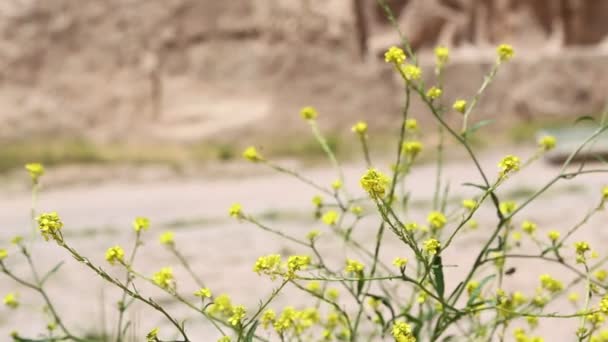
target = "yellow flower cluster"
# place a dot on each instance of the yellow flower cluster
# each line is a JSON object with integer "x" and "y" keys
{"x": 354, "y": 266}
{"x": 434, "y": 93}
{"x": 36, "y": 170}
{"x": 360, "y": 128}
{"x": 507, "y": 207}
{"x": 402, "y": 332}
{"x": 509, "y": 164}
{"x": 252, "y": 154}
{"x": 3, "y": 254}
{"x": 412, "y": 148}
{"x": 400, "y": 262}
{"x": 460, "y": 106}
{"x": 238, "y": 313}
{"x": 308, "y": 113}
{"x": 141, "y": 223}
{"x": 11, "y": 300}
{"x": 50, "y": 225}
{"x": 442, "y": 55}
{"x": 469, "y": 204}
{"x": 203, "y": 292}
{"x": 436, "y": 220}
{"x": 604, "y": 304}
{"x": 581, "y": 248}
{"x": 505, "y": 52}
{"x": 521, "y": 336}
{"x": 236, "y": 210}
{"x": 550, "y": 284}
{"x": 115, "y": 254}
{"x": 164, "y": 278}
{"x": 296, "y": 263}
{"x": 152, "y": 335}
{"x": 411, "y": 72}
{"x": 394, "y": 55}
{"x": 547, "y": 142}
{"x": 431, "y": 246}
{"x": 528, "y": 227}
{"x": 167, "y": 238}
{"x": 411, "y": 125}
{"x": 375, "y": 183}
{"x": 268, "y": 265}
{"x": 290, "y": 321}
{"x": 330, "y": 218}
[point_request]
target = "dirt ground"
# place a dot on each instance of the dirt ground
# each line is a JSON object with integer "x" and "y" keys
{"x": 223, "y": 250}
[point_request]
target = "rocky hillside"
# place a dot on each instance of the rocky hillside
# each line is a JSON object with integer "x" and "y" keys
{"x": 182, "y": 70}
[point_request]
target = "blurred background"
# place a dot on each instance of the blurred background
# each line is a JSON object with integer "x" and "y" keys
{"x": 175, "y": 80}
{"x": 142, "y": 108}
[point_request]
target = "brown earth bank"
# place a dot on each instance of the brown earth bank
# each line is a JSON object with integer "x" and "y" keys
{"x": 185, "y": 70}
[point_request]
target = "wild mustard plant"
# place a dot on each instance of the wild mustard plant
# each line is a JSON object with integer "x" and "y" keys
{"x": 366, "y": 299}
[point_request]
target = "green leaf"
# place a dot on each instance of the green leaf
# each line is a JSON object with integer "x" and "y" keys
{"x": 584, "y": 118}
{"x": 360, "y": 284}
{"x": 51, "y": 272}
{"x": 482, "y": 187}
{"x": 475, "y": 294}
{"x": 477, "y": 126}
{"x": 437, "y": 268}
{"x": 251, "y": 333}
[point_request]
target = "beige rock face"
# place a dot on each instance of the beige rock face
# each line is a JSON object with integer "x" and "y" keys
{"x": 182, "y": 70}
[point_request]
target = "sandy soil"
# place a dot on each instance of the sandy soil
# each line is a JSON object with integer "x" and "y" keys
{"x": 223, "y": 250}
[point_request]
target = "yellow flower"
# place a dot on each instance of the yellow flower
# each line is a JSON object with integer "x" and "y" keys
{"x": 394, "y": 55}
{"x": 600, "y": 275}
{"x": 353, "y": 266}
{"x": 547, "y": 142}
{"x": 224, "y": 339}
{"x": 518, "y": 298}
{"x": 236, "y": 210}
{"x": 3, "y": 254}
{"x": 472, "y": 286}
{"x": 308, "y": 113}
{"x": 296, "y": 263}
{"x": 410, "y": 226}
{"x": 605, "y": 193}
{"x": 411, "y": 125}
{"x": 269, "y": 265}
{"x": 604, "y": 304}
{"x": 238, "y": 313}
{"x": 402, "y": 332}
{"x": 473, "y": 224}
{"x": 164, "y": 278}
{"x": 550, "y": 284}
{"x": 375, "y": 183}
{"x": 508, "y": 207}
{"x": 317, "y": 201}
{"x": 581, "y": 247}
{"x": 313, "y": 234}
{"x": 469, "y": 204}
{"x": 357, "y": 210}
{"x": 222, "y": 305}
{"x": 436, "y": 220}
{"x": 505, "y": 52}
{"x": 167, "y": 238}
{"x": 553, "y": 235}
{"x": 330, "y": 218}
{"x": 114, "y": 254}
{"x": 332, "y": 294}
{"x": 11, "y": 300}
{"x": 434, "y": 93}
{"x": 509, "y": 164}
{"x": 360, "y": 128}
{"x": 36, "y": 171}
{"x": 16, "y": 240}
{"x": 252, "y": 154}
{"x": 336, "y": 185}
{"x": 460, "y": 106}
{"x": 314, "y": 286}
{"x": 400, "y": 262}
{"x": 431, "y": 246}
{"x": 573, "y": 297}
{"x": 152, "y": 335}
{"x": 528, "y": 227}
{"x": 50, "y": 226}
{"x": 442, "y": 55}
{"x": 412, "y": 148}
{"x": 141, "y": 223}
{"x": 268, "y": 318}
{"x": 411, "y": 72}
{"x": 203, "y": 292}
{"x": 516, "y": 236}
